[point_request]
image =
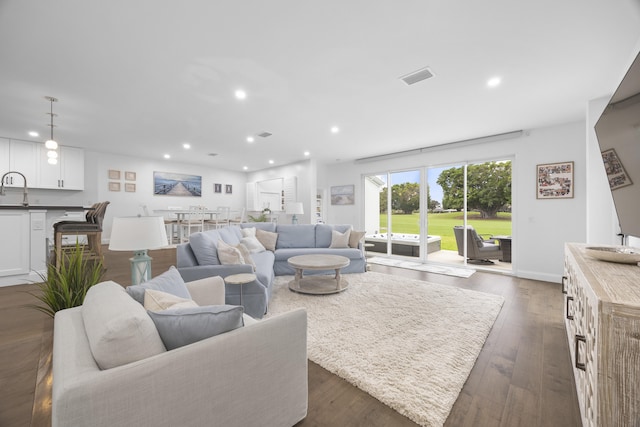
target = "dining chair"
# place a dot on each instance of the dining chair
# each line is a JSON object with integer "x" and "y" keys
{"x": 192, "y": 222}
{"x": 239, "y": 219}
{"x": 172, "y": 224}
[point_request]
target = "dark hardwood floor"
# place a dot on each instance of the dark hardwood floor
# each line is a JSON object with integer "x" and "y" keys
{"x": 522, "y": 376}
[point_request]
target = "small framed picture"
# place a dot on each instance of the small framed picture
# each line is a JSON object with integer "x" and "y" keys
{"x": 343, "y": 195}
{"x": 129, "y": 176}
{"x": 114, "y": 186}
{"x": 217, "y": 188}
{"x": 228, "y": 189}
{"x": 129, "y": 187}
{"x": 616, "y": 174}
{"x": 554, "y": 181}
{"x": 114, "y": 174}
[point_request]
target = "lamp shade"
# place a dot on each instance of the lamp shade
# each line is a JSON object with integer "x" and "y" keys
{"x": 294, "y": 208}
{"x": 135, "y": 233}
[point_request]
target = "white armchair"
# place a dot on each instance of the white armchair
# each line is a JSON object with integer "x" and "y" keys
{"x": 255, "y": 375}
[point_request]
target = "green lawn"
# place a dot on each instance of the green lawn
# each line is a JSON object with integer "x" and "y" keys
{"x": 441, "y": 224}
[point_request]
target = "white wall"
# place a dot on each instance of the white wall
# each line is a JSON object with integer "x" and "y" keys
{"x": 305, "y": 173}
{"x": 540, "y": 227}
{"x": 124, "y": 203}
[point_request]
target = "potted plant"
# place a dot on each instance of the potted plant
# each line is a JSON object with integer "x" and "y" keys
{"x": 262, "y": 217}
{"x": 67, "y": 285}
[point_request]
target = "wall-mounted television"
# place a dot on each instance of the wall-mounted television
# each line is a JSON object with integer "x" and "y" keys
{"x": 618, "y": 132}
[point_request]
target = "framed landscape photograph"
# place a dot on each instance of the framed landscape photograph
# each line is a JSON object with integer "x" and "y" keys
{"x": 343, "y": 195}
{"x": 616, "y": 174}
{"x": 554, "y": 181}
{"x": 177, "y": 184}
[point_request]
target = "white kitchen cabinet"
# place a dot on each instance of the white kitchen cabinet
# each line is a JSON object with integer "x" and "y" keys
{"x": 14, "y": 229}
{"x": 22, "y": 158}
{"x": 67, "y": 174}
{"x": 4, "y": 156}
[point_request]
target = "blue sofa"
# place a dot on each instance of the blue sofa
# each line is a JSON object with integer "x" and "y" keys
{"x": 199, "y": 259}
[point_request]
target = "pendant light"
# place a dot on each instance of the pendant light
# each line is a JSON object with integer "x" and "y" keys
{"x": 51, "y": 144}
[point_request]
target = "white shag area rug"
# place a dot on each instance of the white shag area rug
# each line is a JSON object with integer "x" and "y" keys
{"x": 410, "y": 344}
{"x": 431, "y": 268}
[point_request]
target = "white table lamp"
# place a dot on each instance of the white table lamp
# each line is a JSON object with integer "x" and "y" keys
{"x": 138, "y": 234}
{"x": 294, "y": 208}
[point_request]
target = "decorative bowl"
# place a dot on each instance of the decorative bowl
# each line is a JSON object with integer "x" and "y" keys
{"x": 621, "y": 254}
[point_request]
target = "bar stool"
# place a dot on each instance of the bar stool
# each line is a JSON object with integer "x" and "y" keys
{"x": 92, "y": 228}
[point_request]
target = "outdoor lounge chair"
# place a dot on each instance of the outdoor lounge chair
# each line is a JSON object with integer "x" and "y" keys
{"x": 478, "y": 250}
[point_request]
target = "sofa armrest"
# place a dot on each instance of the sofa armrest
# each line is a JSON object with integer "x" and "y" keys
{"x": 207, "y": 291}
{"x": 190, "y": 274}
{"x": 254, "y": 375}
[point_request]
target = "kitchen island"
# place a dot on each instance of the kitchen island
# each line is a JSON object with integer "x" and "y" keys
{"x": 26, "y": 235}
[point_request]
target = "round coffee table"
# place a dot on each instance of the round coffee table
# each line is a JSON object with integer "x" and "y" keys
{"x": 318, "y": 284}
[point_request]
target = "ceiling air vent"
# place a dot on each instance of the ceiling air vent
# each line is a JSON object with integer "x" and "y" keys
{"x": 265, "y": 134}
{"x": 417, "y": 76}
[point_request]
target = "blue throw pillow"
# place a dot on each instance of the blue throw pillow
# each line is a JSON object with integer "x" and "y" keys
{"x": 185, "y": 326}
{"x": 170, "y": 282}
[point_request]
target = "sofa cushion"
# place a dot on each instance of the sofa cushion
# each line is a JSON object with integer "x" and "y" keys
{"x": 246, "y": 255}
{"x": 204, "y": 245}
{"x": 229, "y": 254}
{"x": 296, "y": 236}
{"x": 355, "y": 237}
{"x": 250, "y": 240}
{"x": 184, "y": 326}
{"x": 264, "y": 266}
{"x": 323, "y": 233}
{"x": 170, "y": 281}
{"x": 231, "y": 234}
{"x": 157, "y": 300}
{"x": 267, "y": 238}
{"x": 118, "y": 329}
{"x": 266, "y": 226}
{"x": 340, "y": 240}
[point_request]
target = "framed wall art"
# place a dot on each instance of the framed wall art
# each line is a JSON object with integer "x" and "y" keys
{"x": 616, "y": 174}
{"x": 228, "y": 189}
{"x": 217, "y": 188}
{"x": 114, "y": 174}
{"x": 129, "y": 176}
{"x": 554, "y": 181}
{"x": 114, "y": 186}
{"x": 129, "y": 187}
{"x": 343, "y": 195}
{"x": 177, "y": 184}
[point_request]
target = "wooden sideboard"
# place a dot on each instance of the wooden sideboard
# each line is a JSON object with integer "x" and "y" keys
{"x": 602, "y": 319}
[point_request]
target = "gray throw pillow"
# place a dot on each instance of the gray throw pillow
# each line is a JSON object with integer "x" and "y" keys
{"x": 185, "y": 326}
{"x": 170, "y": 282}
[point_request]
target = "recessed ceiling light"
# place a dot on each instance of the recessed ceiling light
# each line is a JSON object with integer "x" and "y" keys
{"x": 250, "y": 139}
{"x": 245, "y": 167}
{"x": 186, "y": 145}
{"x": 306, "y": 153}
{"x": 271, "y": 162}
{"x": 241, "y": 94}
{"x": 494, "y": 81}
{"x": 167, "y": 156}
{"x": 335, "y": 129}
{"x": 33, "y": 133}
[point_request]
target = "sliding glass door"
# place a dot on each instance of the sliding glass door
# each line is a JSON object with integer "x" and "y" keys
{"x": 430, "y": 219}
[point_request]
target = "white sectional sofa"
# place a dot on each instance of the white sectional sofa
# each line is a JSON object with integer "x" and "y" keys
{"x": 255, "y": 375}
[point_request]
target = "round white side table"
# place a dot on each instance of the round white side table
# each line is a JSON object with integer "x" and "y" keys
{"x": 240, "y": 279}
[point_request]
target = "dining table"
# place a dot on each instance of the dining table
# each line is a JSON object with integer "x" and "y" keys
{"x": 183, "y": 214}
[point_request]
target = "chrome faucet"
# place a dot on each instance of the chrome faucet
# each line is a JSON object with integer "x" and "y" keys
{"x": 25, "y": 199}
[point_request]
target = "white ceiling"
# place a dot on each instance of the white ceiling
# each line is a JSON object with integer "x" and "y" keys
{"x": 142, "y": 77}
